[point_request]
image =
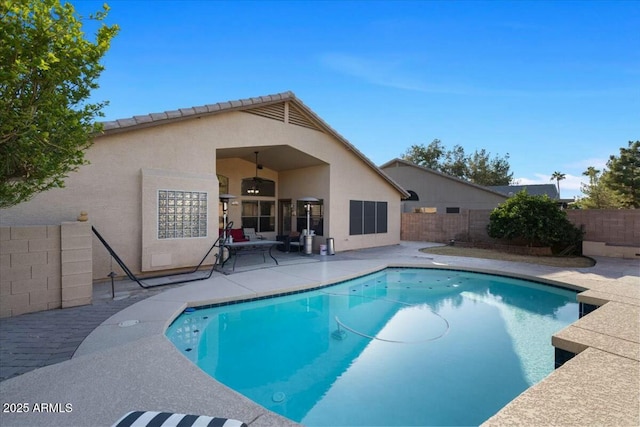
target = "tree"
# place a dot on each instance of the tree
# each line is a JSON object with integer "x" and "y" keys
{"x": 598, "y": 194}
{"x": 558, "y": 176}
{"x": 535, "y": 219}
{"x": 455, "y": 163}
{"x": 478, "y": 168}
{"x": 426, "y": 156}
{"x": 624, "y": 175}
{"x": 486, "y": 171}
{"x": 48, "y": 72}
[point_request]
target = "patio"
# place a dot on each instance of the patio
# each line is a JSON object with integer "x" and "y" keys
{"x": 119, "y": 368}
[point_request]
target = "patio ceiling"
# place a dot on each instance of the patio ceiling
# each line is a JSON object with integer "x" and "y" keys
{"x": 275, "y": 157}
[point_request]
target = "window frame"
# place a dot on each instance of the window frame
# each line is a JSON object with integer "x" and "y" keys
{"x": 368, "y": 217}
{"x": 260, "y": 217}
{"x": 168, "y": 213}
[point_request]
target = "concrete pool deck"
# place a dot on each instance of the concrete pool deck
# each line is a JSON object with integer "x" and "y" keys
{"x": 119, "y": 368}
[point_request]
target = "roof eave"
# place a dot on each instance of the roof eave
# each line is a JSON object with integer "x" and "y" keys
{"x": 444, "y": 175}
{"x": 167, "y": 117}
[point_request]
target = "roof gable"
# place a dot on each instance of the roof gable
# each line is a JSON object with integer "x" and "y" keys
{"x": 285, "y": 107}
{"x": 423, "y": 169}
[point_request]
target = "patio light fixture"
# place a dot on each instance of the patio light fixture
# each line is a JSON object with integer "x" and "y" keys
{"x": 224, "y": 198}
{"x": 307, "y": 237}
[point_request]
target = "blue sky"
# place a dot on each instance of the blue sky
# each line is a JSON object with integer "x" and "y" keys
{"x": 556, "y": 85}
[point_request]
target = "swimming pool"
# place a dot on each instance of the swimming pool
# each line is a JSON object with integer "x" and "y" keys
{"x": 397, "y": 347}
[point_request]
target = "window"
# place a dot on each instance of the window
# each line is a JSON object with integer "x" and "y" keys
{"x": 316, "y": 216}
{"x": 355, "y": 217}
{"x": 259, "y": 214}
{"x": 223, "y": 184}
{"x": 366, "y": 217}
{"x": 258, "y": 187}
{"x": 413, "y": 196}
{"x": 182, "y": 214}
{"x": 453, "y": 210}
{"x": 381, "y": 217}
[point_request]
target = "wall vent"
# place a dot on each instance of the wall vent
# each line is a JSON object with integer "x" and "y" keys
{"x": 273, "y": 111}
{"x": 278, "y": 112}
{"x": 296, "y": 117}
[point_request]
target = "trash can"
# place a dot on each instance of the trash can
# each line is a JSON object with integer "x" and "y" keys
{"x": 323, "y": 249}
{"x": 331, "y": 249}
{"x": 308, "y": 245}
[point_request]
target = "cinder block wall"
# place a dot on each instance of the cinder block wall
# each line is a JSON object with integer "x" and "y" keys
{"x": 428, "y": 227}
{"x": 45, "y": 267}
{"x": 614, "y": 227}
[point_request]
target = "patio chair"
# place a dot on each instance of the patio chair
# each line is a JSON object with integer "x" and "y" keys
{"x": 169, "y": 419}
{"x": 295, "y": 240}
{"x": 250, "y": 233}
{"x": 236, "y": 234}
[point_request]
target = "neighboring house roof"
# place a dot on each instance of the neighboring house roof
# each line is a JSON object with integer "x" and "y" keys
{"x": 532, "y": 189}
{"x": 441, "y": 174}
{"x": 303, "y": 116}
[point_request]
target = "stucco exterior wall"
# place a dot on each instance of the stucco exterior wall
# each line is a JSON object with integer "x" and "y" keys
{"x": 119, "y": 187}
{"x": 440, "y": 192}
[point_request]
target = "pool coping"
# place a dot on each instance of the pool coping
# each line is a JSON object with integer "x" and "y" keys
{"x": 131, "y": 362}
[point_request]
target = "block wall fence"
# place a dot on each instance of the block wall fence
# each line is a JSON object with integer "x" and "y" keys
{"x": 45, "y": 267}
{"x": 612, "y": 229}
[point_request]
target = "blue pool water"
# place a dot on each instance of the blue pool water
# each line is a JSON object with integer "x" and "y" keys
{"x": 401, "y": 347}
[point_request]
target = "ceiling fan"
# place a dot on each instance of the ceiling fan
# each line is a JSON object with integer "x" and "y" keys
{"x": 256, "y": 178}
{"x": 255, "y": 189}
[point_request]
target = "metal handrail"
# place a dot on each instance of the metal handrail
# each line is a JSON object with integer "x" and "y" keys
{"x": 139, "y": 281}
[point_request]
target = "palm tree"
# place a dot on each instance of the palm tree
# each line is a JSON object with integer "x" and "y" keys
{"x": 592, "y": 173}
{"x": 558, "y": 176}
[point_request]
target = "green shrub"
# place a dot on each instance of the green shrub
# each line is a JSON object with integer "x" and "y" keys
{"x": 536, "y": 220}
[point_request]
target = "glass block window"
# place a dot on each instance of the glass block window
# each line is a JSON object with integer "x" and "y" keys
{"x": 182, "y": 214}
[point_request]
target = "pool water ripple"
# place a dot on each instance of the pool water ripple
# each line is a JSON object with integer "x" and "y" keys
{"x": 397, "y": 347}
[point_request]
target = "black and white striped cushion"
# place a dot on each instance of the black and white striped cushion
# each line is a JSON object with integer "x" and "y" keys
{"x": 169, "y": 419}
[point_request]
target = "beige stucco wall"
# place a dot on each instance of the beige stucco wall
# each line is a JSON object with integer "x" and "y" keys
{"x": 159, "y": 254}
{"x": 440, "y": 192}
{"x": 119, "y": 187}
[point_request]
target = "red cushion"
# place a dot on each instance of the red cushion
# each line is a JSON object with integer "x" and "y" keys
{"x": 237, "y": 234}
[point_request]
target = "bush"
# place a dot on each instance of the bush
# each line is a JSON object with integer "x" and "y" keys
{"x": 535, "y": 219}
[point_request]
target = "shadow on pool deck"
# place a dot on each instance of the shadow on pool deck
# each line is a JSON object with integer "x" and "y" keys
{"x": 129, "y": 371}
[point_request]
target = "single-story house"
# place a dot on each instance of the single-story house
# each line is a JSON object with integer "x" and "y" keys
{"x": 153, "y": 183}
{"x": 436, "y": 192}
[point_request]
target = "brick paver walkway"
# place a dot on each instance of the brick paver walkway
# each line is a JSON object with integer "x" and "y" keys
{"x": 34, "y": 340}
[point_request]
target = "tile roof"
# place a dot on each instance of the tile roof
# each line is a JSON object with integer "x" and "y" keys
{"x": 532, "y": 189}
{"x": 186, "y": 113}
{"x": 156, "y": 119}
